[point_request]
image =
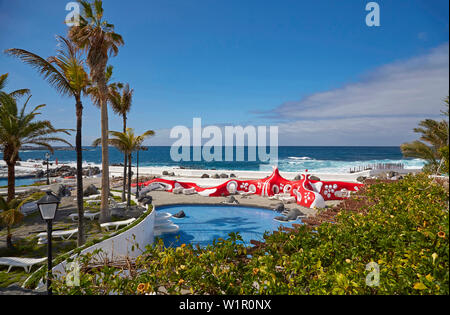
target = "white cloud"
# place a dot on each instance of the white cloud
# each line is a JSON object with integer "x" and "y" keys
{"x": 382, "y": 108}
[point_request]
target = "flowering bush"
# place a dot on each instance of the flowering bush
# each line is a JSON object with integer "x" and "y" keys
{"x": 403, "y": 231}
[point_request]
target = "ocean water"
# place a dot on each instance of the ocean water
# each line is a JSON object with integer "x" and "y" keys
{"x": 294, "y": 159}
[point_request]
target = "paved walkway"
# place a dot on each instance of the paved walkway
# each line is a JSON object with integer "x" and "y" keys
{"x": 17, "y": 290}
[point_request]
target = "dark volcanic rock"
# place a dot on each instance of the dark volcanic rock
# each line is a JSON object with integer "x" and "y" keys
{"x": 216, "y": 176}
{"x": 63, "y": 191}
{"x": 231, "y": 199}
{"x": 298, "y": 177}
{"x": 146, "y": 200}
{"x": 223, "y": 175}
{"x": 39, "y": 174}
{"x": 91, "y": 171}
{"x": 179, "y": 215}
{"x": 361, "y": 179}
{"x": 90, "y": 190}
{"x": 205, "y": 176}
{"x": 279, "y": 207}
{"x": 282, "y": 218}
{"x": 118, "y": 212}
{"x": 312, "y": 177}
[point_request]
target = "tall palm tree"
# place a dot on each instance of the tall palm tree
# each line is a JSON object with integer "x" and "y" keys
{"x": 17, "y": 129}
{"x": 433, "y": 146}
{"x": 97, "y": 37}
{"x": 15, "y": 94}
{"x": 128, "y": 143}
{"x": 94, "y": 91}
{"x": 66, "y": 73}
{"x": 121, "y": 105}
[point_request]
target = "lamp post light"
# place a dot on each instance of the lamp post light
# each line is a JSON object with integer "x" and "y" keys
{"x": 47, "y": 208}
{"x": 47, "y": 157}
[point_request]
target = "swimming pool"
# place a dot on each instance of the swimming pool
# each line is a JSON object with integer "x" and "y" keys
{"x": 204, "y": 223}
{"x": 19, "y": 181}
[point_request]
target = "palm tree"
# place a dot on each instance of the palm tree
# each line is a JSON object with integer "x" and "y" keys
{"x": 18, "y": 129}
{"x": 15, "y": 94}
{"x": 94, "y": 91}
{"x": 128, "y": 143}
{"x": 97, "y": 37}
{"x": 121, "y": 104}
{"x": 66, "y": 73}
{"x": 434, "y": 145}
{"x": 11, "y": 214}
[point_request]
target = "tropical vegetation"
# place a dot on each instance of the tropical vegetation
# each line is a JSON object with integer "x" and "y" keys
{"x": 66, "y": 73}
{"x": 121, "y": 104}
{"x": 11, "y": 214}
{"x": 127, "y": 142}
{"x": 97, "y": 38}
{"x": 17, "y": 93}
{"x": 19, "y": 128}
{"x": 434, "y": 146}
{"x": 397, "y": 243}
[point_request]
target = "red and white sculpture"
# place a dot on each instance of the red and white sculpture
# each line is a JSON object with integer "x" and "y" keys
{"x": 307, "y": 192}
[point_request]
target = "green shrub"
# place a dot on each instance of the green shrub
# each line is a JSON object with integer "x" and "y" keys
{"x": 405, "y": 232}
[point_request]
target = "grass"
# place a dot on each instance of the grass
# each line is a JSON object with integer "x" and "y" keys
{"x": 28, "y": 247}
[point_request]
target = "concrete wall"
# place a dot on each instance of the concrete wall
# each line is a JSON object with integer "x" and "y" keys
{"x": 130, "y": 243}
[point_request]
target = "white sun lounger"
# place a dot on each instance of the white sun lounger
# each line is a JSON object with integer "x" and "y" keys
{"x": 189, "y": 191}
{"x": 88, "y": 215}
{"x": 64, "y": 235}
{"x": 25, "y": 263}
{"x": 178, "y": 190}
{"x": 117, "y": 224}
{"x": 91, "y": 197}
{"x": 116, "y": 204}
{"x": 29, "y": 207}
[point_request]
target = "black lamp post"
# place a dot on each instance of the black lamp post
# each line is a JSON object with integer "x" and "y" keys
{"x": 47, "y": 157}
{"x": 47, "y": 208}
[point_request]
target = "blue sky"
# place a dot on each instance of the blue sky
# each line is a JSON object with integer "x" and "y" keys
{"x": 313, "y": 68}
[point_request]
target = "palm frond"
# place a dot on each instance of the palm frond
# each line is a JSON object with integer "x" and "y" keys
{"x": 45, "y": 69}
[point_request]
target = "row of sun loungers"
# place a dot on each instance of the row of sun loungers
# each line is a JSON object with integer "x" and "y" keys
{"x": 28, "y": 263}
{"x": 285, "y": 198}
{"x": 87, "y": 215}
{"x": 67, "y": 234}
{"x": 184, "y": 191}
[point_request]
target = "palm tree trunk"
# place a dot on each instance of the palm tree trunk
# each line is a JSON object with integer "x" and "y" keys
{"x": 9, "y": 244}
{"x": 78, "y": 144}
{"x": 104, "y": 208}
{"x": 124, "y": 186}
{"x": 11, "y": 181}
{"x": 124, "y": 161}
{"x": 129, "y": 181}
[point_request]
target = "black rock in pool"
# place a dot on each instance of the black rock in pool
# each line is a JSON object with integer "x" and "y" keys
{"x": 179, "y": 215}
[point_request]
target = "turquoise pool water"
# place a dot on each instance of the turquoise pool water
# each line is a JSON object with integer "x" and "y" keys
{"x": 204, "y": 223}
{"x": 19, "y": 181}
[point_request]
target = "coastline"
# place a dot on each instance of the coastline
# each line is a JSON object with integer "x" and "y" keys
{"x": 28, "y": 168}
